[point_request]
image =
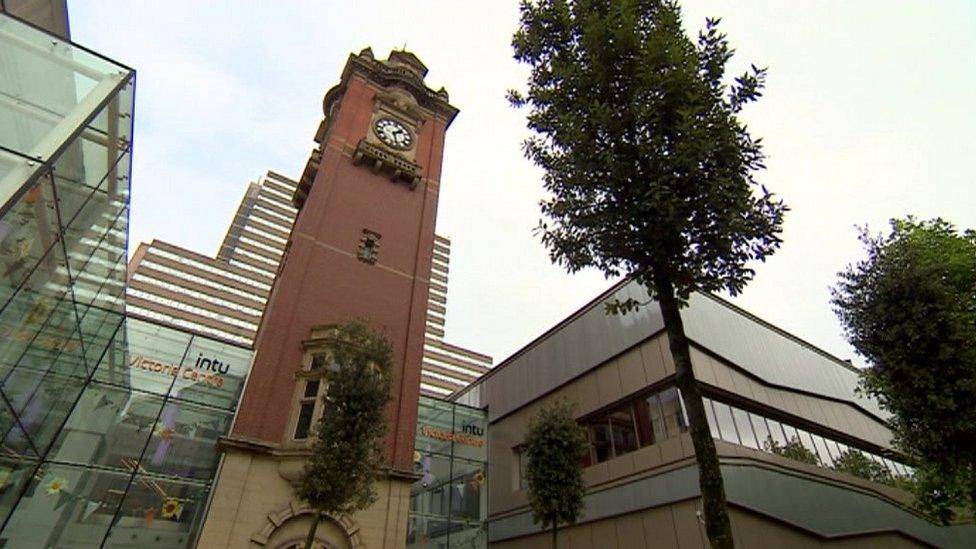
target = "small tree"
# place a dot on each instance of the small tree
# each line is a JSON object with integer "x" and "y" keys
{"x": 648, "y": 168}
{"x": 339, "y": 476}
{"x": 910, "y": 309}
{"x": 555, "y": 446}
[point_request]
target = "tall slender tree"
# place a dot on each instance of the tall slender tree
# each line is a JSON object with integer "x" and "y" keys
{"x": 910, "y": 309}
{"x": 649, "y": 170}
{"x": 555, "y": 446}
{"x": 339, "y": 476}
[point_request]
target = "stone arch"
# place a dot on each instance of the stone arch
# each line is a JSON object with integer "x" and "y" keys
{"x": 289, "y": 525}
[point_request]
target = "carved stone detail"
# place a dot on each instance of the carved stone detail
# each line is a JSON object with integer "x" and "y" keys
{"x": 383, "y": 160}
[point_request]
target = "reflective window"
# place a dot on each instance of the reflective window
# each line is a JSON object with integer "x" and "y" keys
{"x": 623, "y": 430}
{"x": 726, "y": 425}
{"x": 744, "y": 427}
{"x": 674, "y": 418}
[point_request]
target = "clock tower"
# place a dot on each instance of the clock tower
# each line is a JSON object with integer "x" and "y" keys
{"x": 361, "y": 247}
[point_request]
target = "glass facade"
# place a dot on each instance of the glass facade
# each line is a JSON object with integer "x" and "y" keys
{"x": 449, "y": 504}
{"x": 109, "y": 425}
{"x": 632, "y": 424}
{"x": 754, "y": 430}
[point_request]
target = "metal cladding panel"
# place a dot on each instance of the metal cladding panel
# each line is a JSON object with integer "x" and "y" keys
{"x": 582, "y": 343}
{"x": 769, "y": 354}
{"x": 669, "y": 487}
{"x": 592, "y": 337}
{"x": 831, "y": 510}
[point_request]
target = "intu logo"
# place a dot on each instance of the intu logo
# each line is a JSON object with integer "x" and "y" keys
{"x": 212, "y": 364}
{"x": 473, "y": 430}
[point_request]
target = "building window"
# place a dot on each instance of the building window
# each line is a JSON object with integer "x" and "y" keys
{"x": 369, "y": 246}
{"x": 634, "y": 424}
{"x": 306, "y": 409}
{"x": 520, "y": 462}
{"x": 310, "y": 390}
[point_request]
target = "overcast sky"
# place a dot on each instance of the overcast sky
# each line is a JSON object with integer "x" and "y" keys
{"x": 868, "y": 114}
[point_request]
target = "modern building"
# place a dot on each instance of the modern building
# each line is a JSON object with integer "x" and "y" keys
{"x": 65, "y": 146}
{"x": 362, "y": 247}
{"x": 785, "y": 417}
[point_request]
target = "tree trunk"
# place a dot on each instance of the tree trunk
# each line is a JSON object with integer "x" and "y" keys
{"x": 554, "y": 535}
{"x": 311, "y": 530}
{"x": 717, "y": 525}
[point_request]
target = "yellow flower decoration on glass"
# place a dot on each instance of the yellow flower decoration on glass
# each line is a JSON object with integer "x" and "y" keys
{"x": 172, "y": 508}
{"x": 477, "y": 480}
{"x": 165, "y": 433}
{"x": 56, "y": 485}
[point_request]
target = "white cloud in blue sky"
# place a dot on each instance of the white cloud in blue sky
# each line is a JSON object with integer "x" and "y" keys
{"x": 868, "y": 114}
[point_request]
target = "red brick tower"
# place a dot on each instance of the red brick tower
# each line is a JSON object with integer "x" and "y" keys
{"x": 361, "y": 247}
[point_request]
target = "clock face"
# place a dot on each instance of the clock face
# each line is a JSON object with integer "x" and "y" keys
{"x": 393, "y": 133}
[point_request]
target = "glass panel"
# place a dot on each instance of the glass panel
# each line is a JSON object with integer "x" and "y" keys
{"x": 109, "y": 427}
{"x": 807, "y": 441}
{"x": 821, "y": 445}
{"x": 471, "y": 430}
{"x": 642, "y": 415}
{"x": 777, "y": 436}
{"x": 184, "y": 440}
{"x": 657, "y": 417}
{"x": 304, "y": 424}
{"x": 760, "y": 428}
{"x": 46, "y": 401}
{"x": 38, "y": 326}
{"x": 28, "y": 232}
{"x": 15, "y": 471}
{"x": 468, "y": 498}
{"x": 213, "y": 373}
{"x": 623, "y": 431}
{"x": 710, "y": 416}
{"x": 311, "y": 388}
{"x": 170, "y": 510}
{"x": 790, "y": 433}
{"x": 435, "y": 427}
{"x": 66, "y": 506}
{"x": 744, "y": 427}
{"x": 600, "y": 440}
{"x": 726, "y": 425}
{"x": 674, "y": 419}
{"x": 155, "y": 355}
{"x": 833, "y": 449}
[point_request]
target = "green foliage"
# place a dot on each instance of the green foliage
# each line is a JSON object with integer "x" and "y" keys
{"x": 793, "y": 449}
{"x": 855, "y": 463}
{"x": 648, "y": 167}
{"x": 910, "y": 309}
{"x": 347, "y": 452}
{"x": 555, "y": 446}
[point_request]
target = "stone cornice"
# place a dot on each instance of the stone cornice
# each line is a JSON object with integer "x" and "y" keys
{"x": 386, "y": 75}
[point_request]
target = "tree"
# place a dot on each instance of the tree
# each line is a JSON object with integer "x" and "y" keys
{"x": 910, "y": 309}
{"x": 347, "y": 452}
{"x": 555, "y": 446}
{"x": 648, "y": 168}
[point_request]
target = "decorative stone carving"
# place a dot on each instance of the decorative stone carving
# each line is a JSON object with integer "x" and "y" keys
{"x": 382, "y": 160}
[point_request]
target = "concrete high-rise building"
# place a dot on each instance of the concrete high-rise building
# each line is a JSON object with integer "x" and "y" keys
{"x": 258, "y": 234}
{"x": 447, "y": 368}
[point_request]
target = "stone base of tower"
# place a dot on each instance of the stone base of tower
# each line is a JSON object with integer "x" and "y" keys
{"x": 254, "y": 505}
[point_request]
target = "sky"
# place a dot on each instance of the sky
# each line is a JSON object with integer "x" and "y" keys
{"x": 868, "y": 114}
